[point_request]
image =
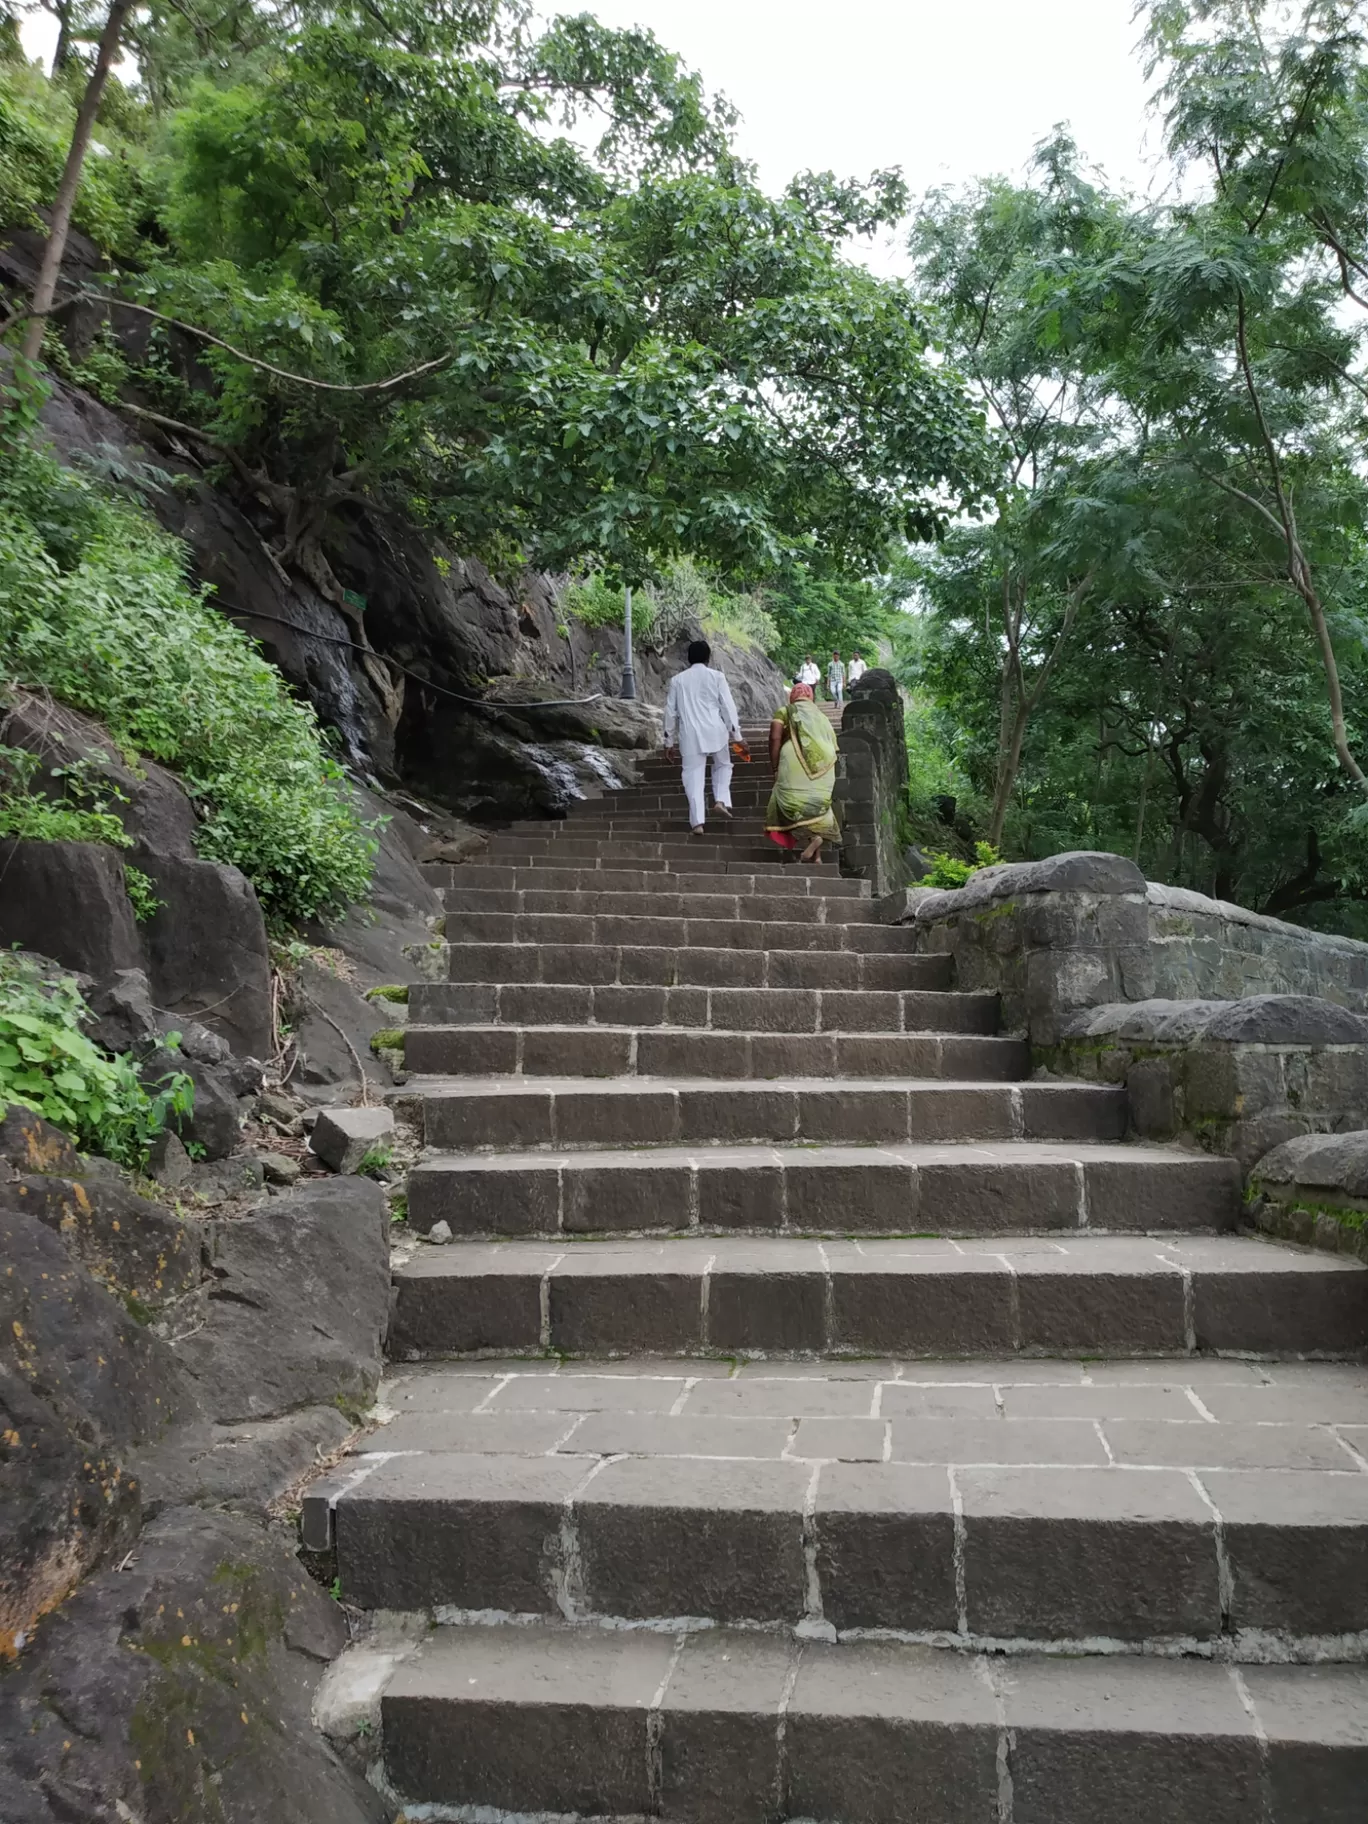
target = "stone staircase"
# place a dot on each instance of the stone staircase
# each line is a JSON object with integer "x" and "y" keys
{"x": 815, "y": 1418}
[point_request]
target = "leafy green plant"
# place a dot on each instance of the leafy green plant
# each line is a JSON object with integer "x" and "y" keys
{"x": 49, "y": 1065}
{"x": 35, "y": 817}
{"x": 374, "y": 1160}
{"x": 952, "y": 871}
{"x": 142, "y": 894}
{"x": 94, "y": 606}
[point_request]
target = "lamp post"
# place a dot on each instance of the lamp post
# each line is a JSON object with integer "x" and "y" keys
{"x": 628, "y": 675}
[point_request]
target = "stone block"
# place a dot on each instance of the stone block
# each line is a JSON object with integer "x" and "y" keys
{"x": 463, "y": 1122}
{"x": 719, "y": 1748}
{"x": 1281, "y": 1312}
{"x": 1068, "y": 1306}
{"x": 708, "y": 1115}
{"x": 733, "y": 1195}
{"x": 766, "y": 1310}
{"x": 1074, "y": 1553}
{"x": 830, "y": 1196}
{"x": 473, "y": 1721}
{"x": 524, "y": 1200}
{"x": 585, "y": 1117}
{"x": 1108, "y": 1739}
{"x": 885, "y": 1546}
{"x": 1298, "y": 1549}
{"x": 947, "y": 1307}
{"x": 1314, "y": 1722}
{"x": 967, "y": 1198}
{"x": 864, "y": 1117}
{"x": 595, "y": 1311}
{"x": 343, "y": 1137}
{"x": 891, "y": 1735}
{"x": 443, "y": 1316}
{"x": 675, "y": 1537}
{"x": 647, "y": 1196}
{"x": 479, "y": 1532}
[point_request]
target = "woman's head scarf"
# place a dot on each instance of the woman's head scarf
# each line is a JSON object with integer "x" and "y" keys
{"x": 801, "y": 693}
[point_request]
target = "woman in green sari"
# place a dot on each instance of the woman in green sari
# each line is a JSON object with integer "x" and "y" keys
{"x": 803, "y": 757}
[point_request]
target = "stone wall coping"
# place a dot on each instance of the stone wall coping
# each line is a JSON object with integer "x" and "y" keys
{"x": 1183, "y": 899}
{"x": 1075, "y": 871}
{"x": 1337, "y": 1162}
{"x": 1258, "y": 1019}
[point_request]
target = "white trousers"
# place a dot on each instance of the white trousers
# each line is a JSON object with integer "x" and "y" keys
{"x": 694, "y": 767}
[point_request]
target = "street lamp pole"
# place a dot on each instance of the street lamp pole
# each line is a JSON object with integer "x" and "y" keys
{"x": 628, "y": 675}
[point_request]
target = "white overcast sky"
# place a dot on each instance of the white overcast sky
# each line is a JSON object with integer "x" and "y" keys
{"x": 948, "y": 89}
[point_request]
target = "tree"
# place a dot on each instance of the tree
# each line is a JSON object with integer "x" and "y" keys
{"x": 610, "y": 359}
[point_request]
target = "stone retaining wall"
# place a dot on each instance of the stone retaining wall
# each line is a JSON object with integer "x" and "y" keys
{"x": 1230, "y": 1031}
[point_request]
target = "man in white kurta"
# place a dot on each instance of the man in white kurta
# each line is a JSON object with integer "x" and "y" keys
{"x": 700, "y": 722}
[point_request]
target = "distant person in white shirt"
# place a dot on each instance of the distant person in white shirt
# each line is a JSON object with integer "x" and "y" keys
{"x": 836, "y": 680}
{"x": 700, "y": 721}
{"x": 858, "y": 668}
{"x": 808, "y": 673}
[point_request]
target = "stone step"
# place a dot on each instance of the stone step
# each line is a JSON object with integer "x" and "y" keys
{"x": 633, "y": 966}
{"x": 713, "y": 902}
{"x": 745, "y": 1728}
{"x": 686, "y": 861}
{"x": 789, "y": 883}
{"x": 944, "y": 1190}
{"x": 694, "y": 928}
{"x": 1193, "y": 1503}
{"x": 672, "y": 1051}
{"x": 462, "y": 1113}
{"x": 662, "y": 795}
{"x": 794, "y": 1010}
{"x": 732, "y": 1296}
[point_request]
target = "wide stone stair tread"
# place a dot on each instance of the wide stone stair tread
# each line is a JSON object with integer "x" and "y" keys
{"x": 506, "y": 1111}
{"x": 1196, "y": 1504}
{"x": 956, "y": 1190}
{"x": 724, "y": 1727}
{"x": 645, "y": 965}
{"x": 914, "y": 1296}
{"x": 722, "y": 901}
{"x": 569, "y": 878}
{"x": 721, "y": 1009}
{"x": 656, "y": 1051}
{"x": 647, "y": 927}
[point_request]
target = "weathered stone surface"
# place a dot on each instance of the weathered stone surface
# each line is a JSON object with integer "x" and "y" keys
{"x": 1264, "y": 1019}
{"x": 178, "y": 1687}
{"x": 342, "y": 1137}
{"x": 206, "y": 950}
{"x": 144, "y": 1253}
{"x": 67, "y": 900}
{"x": 79, "y": 1383}
{"x": 296, "y": 1308}
{"x": 871, "y": 783}
{"x": 245, "y": 1465}
{"x": 1332, "y": 1167}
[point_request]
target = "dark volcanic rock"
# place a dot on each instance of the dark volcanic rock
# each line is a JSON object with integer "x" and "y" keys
{"x": 296, "y": 1310}
{"x": 80, "y": 1383}
{"x": 67, "y": 901}
{"x": 177, "y": 1690}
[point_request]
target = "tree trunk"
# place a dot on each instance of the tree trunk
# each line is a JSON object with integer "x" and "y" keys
{"x": 1009, "y": 765}
{"x": 65, "y": 201}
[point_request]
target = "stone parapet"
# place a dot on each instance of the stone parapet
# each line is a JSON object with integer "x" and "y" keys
{"x": 871, "y": 783}
{"x": 1083, "y": 930}
{"x": 1236, "y": 1077}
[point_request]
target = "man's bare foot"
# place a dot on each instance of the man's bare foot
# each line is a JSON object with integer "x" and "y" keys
{"x": 698, "y": 830}
{"x": 723, "y": 810}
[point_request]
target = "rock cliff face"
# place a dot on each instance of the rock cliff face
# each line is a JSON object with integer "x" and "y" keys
{"x": 442, "y": 633}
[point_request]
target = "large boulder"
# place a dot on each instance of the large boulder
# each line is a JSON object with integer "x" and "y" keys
{"x": 178, "y": 1687}
{"x": 295, "y": 1311}
{"x": 68, "y": 901}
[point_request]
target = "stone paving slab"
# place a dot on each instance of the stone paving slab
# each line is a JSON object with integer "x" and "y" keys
{"x": 727, "y": 1295}
{"x": 744, "y": 1728}
{"x": 987, "y": 1189}
{"x": 500, "y": 1112}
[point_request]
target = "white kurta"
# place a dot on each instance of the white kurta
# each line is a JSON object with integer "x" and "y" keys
{"x": 700, "y": 716}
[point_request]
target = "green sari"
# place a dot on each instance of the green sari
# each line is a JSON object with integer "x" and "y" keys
{"x": 801, "y": 799}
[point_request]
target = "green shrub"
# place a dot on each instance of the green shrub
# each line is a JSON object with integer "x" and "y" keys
{"x": 34, "y": 817}
{"x": 951, "y": 871}
{"x": 36, "y": 118}
{"x": 49, "y": 1065}
{"x": 95, "y": 607}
